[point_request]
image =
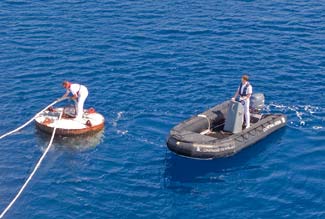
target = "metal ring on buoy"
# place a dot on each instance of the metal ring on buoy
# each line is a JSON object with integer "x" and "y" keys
{"x": 88, "y": 123}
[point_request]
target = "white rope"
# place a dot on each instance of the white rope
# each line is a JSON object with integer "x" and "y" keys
{"x": 29, "y": 121}
{"x": 32, "y": 174}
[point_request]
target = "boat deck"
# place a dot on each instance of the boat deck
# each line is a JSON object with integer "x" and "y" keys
{"x": 219, "y": 133}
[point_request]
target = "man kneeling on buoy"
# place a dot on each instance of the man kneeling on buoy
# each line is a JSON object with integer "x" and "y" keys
{"x": 80, "y": 93}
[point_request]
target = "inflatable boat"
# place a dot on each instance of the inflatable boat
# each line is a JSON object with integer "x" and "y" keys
{"x": 219, "y": 132}
{"x": 68, "y": 126}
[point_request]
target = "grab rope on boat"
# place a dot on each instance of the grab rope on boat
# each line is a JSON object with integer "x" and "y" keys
{"x": 209, "y": 123}
{"x": 29, "y": 121}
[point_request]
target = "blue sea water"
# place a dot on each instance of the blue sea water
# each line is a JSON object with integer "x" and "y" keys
{"x": 148, "y": 66}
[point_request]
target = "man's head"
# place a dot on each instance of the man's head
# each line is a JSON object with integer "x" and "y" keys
{"x": 66, "y": 84}
{"x": 244, "y": 78}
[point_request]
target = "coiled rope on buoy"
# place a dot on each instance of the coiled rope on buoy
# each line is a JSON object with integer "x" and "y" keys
{"x": 40, "y": 160}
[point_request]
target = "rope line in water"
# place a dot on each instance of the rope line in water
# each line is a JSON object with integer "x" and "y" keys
{"x": 34, "y": 171}
{"x": 29, "y": 121}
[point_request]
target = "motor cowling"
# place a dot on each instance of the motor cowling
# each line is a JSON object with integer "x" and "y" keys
{"x": 257, "y": 101}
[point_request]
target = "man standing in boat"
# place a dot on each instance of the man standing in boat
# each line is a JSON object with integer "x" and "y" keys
{"x": 244, "y": 93}
{"x": 79, "y": 92}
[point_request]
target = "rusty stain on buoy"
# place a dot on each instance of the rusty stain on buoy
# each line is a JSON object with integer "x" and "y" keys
{"x": 91, "y": 110}
{"x": 47, "y": 121}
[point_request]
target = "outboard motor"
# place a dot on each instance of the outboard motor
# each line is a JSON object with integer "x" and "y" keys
{"x": 257, "y": 102}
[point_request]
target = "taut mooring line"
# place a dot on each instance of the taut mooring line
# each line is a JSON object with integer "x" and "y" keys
{"x": 29, "y": 121}
{"x": 34, "y": 171}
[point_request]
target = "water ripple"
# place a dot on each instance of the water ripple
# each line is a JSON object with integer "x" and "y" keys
{"x": 149, "y": 65}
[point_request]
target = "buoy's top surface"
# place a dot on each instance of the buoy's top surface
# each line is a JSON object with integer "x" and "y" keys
{"x": 51, "y": 119}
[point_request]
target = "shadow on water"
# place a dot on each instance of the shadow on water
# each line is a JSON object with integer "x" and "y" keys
{"x": 182, "y": 173}
{"x": 71, "y": 143}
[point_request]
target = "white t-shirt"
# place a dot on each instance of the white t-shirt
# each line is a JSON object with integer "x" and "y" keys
{"x": 75, "y": 88}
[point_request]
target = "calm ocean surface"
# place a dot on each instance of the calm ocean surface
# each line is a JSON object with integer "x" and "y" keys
{"x": 148, "y": 66}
